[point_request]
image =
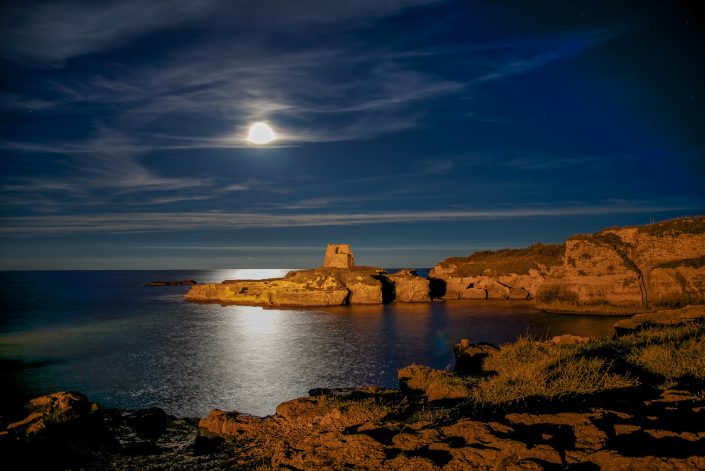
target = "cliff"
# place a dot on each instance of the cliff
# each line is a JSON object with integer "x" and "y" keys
{"x": 631, "y": 269}
{"x": 615, "y": 271}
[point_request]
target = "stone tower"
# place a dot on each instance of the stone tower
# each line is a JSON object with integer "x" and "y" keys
{"x": 339, "y": 256}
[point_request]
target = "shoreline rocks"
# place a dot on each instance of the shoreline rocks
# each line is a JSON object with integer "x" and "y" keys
{"x": 617, "y": 271}
{"x": 338, "y": 282}
{"x": 430, "y": 422}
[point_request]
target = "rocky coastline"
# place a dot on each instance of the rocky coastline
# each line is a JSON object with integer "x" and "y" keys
{"x": 633, "y": 401}
{"x": 615, "y": 271}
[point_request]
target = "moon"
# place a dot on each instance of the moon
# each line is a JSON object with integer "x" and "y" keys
{"x": 260, "y": 134}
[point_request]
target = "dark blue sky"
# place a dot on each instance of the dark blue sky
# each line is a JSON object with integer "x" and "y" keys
{"x": 412, "y": 129}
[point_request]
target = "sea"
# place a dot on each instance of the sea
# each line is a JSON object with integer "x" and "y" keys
{"x": 127, "y": 345}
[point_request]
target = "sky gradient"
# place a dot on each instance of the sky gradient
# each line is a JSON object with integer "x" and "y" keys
{"x": 412, "y": 129}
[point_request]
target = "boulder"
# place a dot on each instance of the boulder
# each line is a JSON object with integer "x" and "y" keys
{"x": 469, "y": 357}
{"x": 409, "y": 287}
{"x": 46, "y": 412}
{"x": 228, "y": 424}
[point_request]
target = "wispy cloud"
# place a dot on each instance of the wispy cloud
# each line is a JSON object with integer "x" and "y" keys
{"x": 162, "y": 221}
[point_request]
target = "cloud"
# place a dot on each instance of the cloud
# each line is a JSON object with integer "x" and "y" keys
{"x": 51, "y": 32}
{"x": 184, "y": 221}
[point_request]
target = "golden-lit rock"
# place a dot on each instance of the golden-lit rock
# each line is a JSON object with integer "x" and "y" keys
{"x": 409, "y": 287}
{"x": 502, "y": 274}
{"x": 631, "y": 269}
{"x": 615, "y": 271}
{"x": 228, "y": 424}
{"x": 51, "y": 410}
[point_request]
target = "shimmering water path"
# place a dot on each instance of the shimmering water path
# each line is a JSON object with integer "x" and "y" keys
{"x": 126, "y": 345}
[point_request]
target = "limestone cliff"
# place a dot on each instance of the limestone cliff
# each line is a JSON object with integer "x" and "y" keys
{"x": 630, "y": 269}
{"x": 503, "y": 274}
{"x": 617, "y": 270}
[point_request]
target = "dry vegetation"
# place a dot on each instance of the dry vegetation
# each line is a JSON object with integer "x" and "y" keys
{"x": 676, "y": 227}
{"x": 533, "y": 369}
{"x": 518, "y": 261}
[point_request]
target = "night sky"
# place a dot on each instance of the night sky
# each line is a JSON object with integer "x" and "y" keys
{"x": 412, "y": 129}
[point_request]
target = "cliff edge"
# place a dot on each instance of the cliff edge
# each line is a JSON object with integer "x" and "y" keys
{"x": 614, "y": 271}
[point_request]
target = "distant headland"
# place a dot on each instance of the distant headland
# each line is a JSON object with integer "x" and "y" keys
{"x": 614, "y": 271}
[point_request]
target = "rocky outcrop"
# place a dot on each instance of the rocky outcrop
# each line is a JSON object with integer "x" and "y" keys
{"x": 504, "y": 274}
{"x": 469, "y": 357}
{"x": 47, "y": 412}
{"x": 317, "y": 287}
{"x": 669, "y": 317}
{"x": 409, "y": 287}
{"x": 338, "y": 282}
{"x": 435, "y": 420}
{"x": 631, "y": 269}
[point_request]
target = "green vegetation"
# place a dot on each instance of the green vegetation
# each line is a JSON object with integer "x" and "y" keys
{"x": 508, "y": 260}
{"x": 528, "y": 368}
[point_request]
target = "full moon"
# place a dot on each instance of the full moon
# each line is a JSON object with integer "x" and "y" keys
{"x": 261, "y": 133}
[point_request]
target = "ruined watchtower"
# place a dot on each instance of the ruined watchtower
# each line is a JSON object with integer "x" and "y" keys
{"x": 339, "y": 256}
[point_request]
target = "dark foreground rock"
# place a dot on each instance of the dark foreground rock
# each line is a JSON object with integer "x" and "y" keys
{"x": 66, "y": 431}
{"x": 631, "y": 402}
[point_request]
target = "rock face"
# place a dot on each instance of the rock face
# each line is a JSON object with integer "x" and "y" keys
{"x": 318, "y": 287}
{"x": 470, "y": 356}
{"x": 339, "y": 256}
{"x": 409, "y": 287}
{"x": 504, "y": 274}
{"x": 615, "y": 271}
{"x": 632, "y": 269}
{"x": 50, "y": 411}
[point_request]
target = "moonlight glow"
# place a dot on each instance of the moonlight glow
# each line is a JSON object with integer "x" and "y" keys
{"x": 261, "y": 133}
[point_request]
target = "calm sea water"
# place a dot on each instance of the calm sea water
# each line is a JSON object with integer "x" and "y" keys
{"x": 126, "y": 345}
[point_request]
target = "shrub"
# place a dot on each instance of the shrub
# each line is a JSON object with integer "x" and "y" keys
{"x": 529, "y": 368}
{"x": 508, "y": 260}
{"x": 675, "y": 360}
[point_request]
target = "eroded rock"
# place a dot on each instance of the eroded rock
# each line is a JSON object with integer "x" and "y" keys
{"x": 469, "y": 357}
